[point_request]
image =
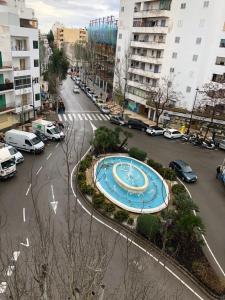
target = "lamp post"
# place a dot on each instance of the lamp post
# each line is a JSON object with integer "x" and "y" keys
{"x": 192, "y": 111}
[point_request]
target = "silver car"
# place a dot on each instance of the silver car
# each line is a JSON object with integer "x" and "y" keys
{"x": 222, "y": 145}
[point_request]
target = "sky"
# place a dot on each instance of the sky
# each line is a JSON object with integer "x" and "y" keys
{"x": 72, "y": 13}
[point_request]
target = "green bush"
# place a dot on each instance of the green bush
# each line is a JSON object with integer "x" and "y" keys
{"x": 81, "y": 176}
{"x": 179, "y": 189}
{"x": 109, "y": 208}
{"x": 138, "y": 154}
{"x": 149, "y": 226}
{"x": 130, "y": 221}
{"x": 168, "y": 174}
{"x": 98, "y": 201}
{"x": 184, "y": 203}
{"x": 121, "y": 215}
{"x": 86, "y": 188}
{"x": 85, "y": 163}
{"x": 155, "y": 165}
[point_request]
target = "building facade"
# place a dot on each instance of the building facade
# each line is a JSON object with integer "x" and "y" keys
{"x": 19, "y": 63}
{"x": 176, "y": 39}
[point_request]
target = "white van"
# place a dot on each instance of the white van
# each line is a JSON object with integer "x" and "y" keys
{"x": 23, "y": 140}
{"x": 7, "y": 164}
{"x": 50, "y": 130}
{"x": 14, "y": 152}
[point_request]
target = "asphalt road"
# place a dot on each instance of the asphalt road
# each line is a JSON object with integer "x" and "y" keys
{"x": 50, "y": 178}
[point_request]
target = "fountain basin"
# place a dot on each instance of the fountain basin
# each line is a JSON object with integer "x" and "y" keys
{"x": 134, "y": 181}
{"x": 119, "y": 179}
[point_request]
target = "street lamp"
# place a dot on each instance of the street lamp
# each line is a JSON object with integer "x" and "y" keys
{"x": 192, "y": 111}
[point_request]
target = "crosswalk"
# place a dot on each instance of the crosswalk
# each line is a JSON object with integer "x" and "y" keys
{"x": 88, "y": 116}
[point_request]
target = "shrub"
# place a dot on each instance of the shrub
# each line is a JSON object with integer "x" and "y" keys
{"x": 85, "y": 163}
{"x": 184, "y": 203}
{"x": 130, "y": 221}
{"x": 109, "y": 208}
{"x": 155, "y": 165}
{"x": 121, "y": 215}
{"x": 86, "y": 188}
{"x": 168, "y": 174}
{"x": 81, "y": 176}
{"x": 98, "y": 201}
{"x": 178, "y": 189}
{"x": 138, "y": 154}
{"x": 149, "y": 226}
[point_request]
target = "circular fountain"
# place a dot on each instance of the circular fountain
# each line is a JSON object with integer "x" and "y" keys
{"x": 131, "y": 184}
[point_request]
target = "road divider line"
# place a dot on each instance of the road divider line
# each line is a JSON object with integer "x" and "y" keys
{"x": 39, "y": 170}
{"x": 24, "y": 215}
{"x": 52, "y": 190}
{"x": 49, "y": 156}
{"x": 204, "y": 238}
{"x": 57, "y": 145}
{"x": 28, "y": 190}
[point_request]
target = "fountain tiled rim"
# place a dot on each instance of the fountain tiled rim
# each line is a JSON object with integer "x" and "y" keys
{"x": 122, "y": 205}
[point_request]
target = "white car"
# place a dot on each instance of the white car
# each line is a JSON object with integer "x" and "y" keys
{"x": 76, "y": 90}
{"x": 90, "y": 94}
{"x": 94, "y": 98}
{"x": 172, "y": 134}
{"x": 155, "y": 130}
{"x": 16, "y": 154}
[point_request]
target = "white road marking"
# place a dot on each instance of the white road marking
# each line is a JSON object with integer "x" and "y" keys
{"x": 24, "y": 215}
{"x": 65, "y": 117}
{"x": 85, "y": 117}
{"x": 94, "y": 117}
{"x": 53, "y": 195}
{"x": 27, "y": 243}
{"x": 206, "y": 243}
{"x": 49, "y": 156}
{"x": 60, "y": 118}
{"x": 16, "y": 254}
{"x": 107, "y": 117}
{"x": 28, "y": 190}
{"x": 90, "y": 118}
{"x": 79, "y": 116}
{"x": 3, "y": 286}
{"x": 57, "y": 145}
{"x": 122, "y": 235}
{"x": 70, "y": 117}
{"x": 103, "y": 117}
{"x": 75, "y": 117}
{"x": 39, "y": 170}
{"x": 54, "y": 206}
{"x": 99, "y": 117}
{"x": 10, "y": 270}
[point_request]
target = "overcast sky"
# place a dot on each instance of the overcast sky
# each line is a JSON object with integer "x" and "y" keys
{"x": 72, "y": 13}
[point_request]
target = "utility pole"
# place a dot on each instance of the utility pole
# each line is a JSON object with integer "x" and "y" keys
{"x": 192, "y": 111}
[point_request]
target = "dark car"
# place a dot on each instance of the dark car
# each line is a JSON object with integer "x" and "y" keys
{"x": 41, "y": 136}
{"x": 183, "y": 170}
{"x": 118, "y": 120}
{"x": 137, "y": 124}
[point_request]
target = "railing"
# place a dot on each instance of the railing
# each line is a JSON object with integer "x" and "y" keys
{"x": 15, "y": 48}
{"x": 150, "y": 42}
{"x": 6, "y": 86}
{"x": 148, "y": 25}
{"x": 24, "y": 86}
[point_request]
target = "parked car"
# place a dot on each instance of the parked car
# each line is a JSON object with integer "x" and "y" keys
{"x": 222, "y": 145}
{"x": 104, "y": 109}
{"x": 137, "y": 124}
{"x": 155, "y": 130}
{"x": 18, "y": 157}
{"x": 183, "y": 170}
{"x": 94, "y": 98}
{"x": 7, "y": 164}
{"x": 118, "y": 120}
{"x": 41, "y": 136}
{"x": 87, "y": 90}
{"x": 76, "y": 90}
{"x": 90, "y": 93}
{"x": 172, "y": 134}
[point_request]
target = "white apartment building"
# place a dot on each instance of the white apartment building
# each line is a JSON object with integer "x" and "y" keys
{"x": 179, "y": 39}
{"x": 19, "y": 63}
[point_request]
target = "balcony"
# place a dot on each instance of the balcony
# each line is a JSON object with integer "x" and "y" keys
{"x": 160, "y": 45}
{"x": 23, "y": 89}
{"x": 20, "y": 52}
{"x": 145, "y": 73}
{"x": 135, "y": 98}
{"x": 152, "y": 13}
{"x": 144, "y": 28}
{"x": 147, "y": 59}
{"x": 7, "y": 67}
{"x": 21, "y": 72}
{"x": 6, "y": 87}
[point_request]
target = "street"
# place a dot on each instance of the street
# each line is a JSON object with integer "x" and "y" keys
{"x": 46, "y": 174}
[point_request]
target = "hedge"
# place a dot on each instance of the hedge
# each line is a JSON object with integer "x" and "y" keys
{"x": 130, "y": 221}
{"x": 137, "y": 154}
{"x": 86, "y": 163}
{"x": 179, "y": 189}
{"x": 149, "y": 226}
{"x": 98, "y": 201}
{"x": 121, "y": 215}
{"x": 109, "y": 207}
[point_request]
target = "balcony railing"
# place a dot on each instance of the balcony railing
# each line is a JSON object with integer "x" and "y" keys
{"x": 24, "y": 86}
{"x": 148, "y": 25}
{"x": 6, "y": 86}
{"x": 150, "y": 42}
{"x": 16, "y": 48}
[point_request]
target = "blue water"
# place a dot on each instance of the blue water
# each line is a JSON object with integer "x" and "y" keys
{"x": 130, "y": 175}
{"x": 152, "y": 197}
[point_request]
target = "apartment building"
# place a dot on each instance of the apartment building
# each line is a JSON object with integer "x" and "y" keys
{"x": 19, "y": 63}
{"x": 65, "y": 36}
{"x": 176, "y": 39}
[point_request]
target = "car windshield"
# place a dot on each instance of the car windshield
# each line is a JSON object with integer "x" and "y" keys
{"x": 7, "y": 164}
{"x": 175, "y": 132}
{"x": 35, "y": 140}
{"x": 12, "y": 151}
{"x": 187, "y": 169}
{"x": 55, "y": 130}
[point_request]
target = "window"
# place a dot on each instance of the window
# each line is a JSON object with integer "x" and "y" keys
{"x": 177, "y": 39}
{"x": 174, "y": 55}
{"x": 222, "y": 43}
{"x": 37, "y": 97}
{"x": 28, "y": 143}
{"x": 206, "y": 4}
{"x": 36, "y": 63}
{"x": 220, "y": 61}
{"x": 195, "y": 57}
{"x": 122, "y": 8}
{"x": 120, "y": 35}
{"x": 119, "y": 49}
{"x": 171, "y": 70}
{"x": 188, "y": 89}
{"x": 22, "y": 82}
{"x": 35, "y": 80}
{"x": 35, "y": 44}
{"x": 183, "y": 5}
{"x": 163, "y": 23}
{"x": 198, "y": 41}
